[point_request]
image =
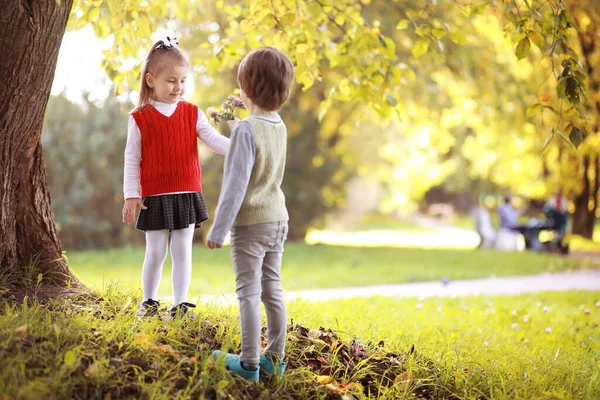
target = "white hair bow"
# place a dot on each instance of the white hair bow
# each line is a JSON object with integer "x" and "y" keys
{"x": 169, "y": 42}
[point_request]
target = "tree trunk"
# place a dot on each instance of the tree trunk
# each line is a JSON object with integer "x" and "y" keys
{"x": 584, "y": 217}
{"x": 586, "y": 201}
{"x": 32, "y": 32}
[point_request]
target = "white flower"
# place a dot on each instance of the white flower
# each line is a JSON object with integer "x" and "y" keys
{"x": 548, "y": 330}
{"x": 587, "y": 312}
{"x": 545, "y": 309}
{"x": 419, "y": 306}
{"x": 598, "y": 304}
{"x": 514, "y": 312}
{"x": 514, "y": 325}
{"x": 526, "y": 319}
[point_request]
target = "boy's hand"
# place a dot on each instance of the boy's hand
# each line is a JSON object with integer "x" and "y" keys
{"x": 129, "y": 209}
{"x": 232, "y": 122}
{"x": 212, "y": 245}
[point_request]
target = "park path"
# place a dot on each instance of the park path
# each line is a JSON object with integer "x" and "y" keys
{"x": 587, "y": 279}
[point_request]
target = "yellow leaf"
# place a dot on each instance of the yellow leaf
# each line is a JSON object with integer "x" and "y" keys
{"x": 344, "y": 87}
{"x": 390, "y": 48}
{"x": 306, "y": 80}
{"x": 423, "y": 30}
{"x": 93, "y": 14}
{"x": 405, "y": 380}
{"x": 318, "y": 161}
{"x": 167, "y": 349}
{"x": 458, "y": 37}
{"x": 270, "y": 20}
{"x": 280, "y": 40}
{"x": 301, "y": 48}
{"x": 403, "y": 24}
{"x": 537, "y": 39}
{"x": 247, "y": 25}
{"x": 144, "y": 341}
{"x": 420, "y": 48}
{"x": 324, "y": 379}
{"x": 143, "y": 26}
{"x": 289, "y": 18}
{"x": 439, "y": 33}
{"x": 310, "y": 57}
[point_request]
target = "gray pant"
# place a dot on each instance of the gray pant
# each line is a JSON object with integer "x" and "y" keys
{"x": 257, "y": 251}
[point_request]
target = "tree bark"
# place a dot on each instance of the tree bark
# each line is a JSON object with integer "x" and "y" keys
{"x": 584, "y": 217}
{"x": 32, "y": 32}
{"x": 586, "y": 202}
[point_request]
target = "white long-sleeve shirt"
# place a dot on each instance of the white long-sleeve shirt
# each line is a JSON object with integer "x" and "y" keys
{"x": 133, "y": 149}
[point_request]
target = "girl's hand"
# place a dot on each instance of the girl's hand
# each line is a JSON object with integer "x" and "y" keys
{"x": 212, "y": 245}
{"x": 232, "y": 122}
{"x": 129, "y": 209}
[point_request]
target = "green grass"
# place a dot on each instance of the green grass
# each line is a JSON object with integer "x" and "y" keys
{"x": 319, "y": 266}
{"x": 465, "y": 348}
{"x": 531, "y": 346}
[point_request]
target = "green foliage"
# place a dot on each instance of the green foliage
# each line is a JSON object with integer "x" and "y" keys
{"x": 388, "y": 61}
{"x": 350, "y": 37}
{"x": 83, "y": 150}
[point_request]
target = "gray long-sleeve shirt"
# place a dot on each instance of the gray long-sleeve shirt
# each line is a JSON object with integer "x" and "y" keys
{"x": 238, "y": 169}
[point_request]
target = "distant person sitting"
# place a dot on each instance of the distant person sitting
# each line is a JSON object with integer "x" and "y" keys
{"x": 507, "y": 214}
{"x": 507, "y": 238}
{"x": 556, "y": 209}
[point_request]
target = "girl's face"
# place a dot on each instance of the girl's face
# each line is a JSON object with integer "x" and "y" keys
{"x": 169, "y": 84}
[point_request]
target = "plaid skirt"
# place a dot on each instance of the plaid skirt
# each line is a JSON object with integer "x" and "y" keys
{"x": 172, "y": 212}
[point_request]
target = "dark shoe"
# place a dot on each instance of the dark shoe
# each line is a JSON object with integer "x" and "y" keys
{"x": 181, "y": 310}
{"x": 148, "y": 308}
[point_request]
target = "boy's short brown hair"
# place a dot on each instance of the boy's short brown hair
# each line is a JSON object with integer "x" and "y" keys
{"x": 266, "y": 76}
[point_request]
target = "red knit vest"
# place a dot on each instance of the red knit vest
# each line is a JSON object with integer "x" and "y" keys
{"x": 169, "y": 150}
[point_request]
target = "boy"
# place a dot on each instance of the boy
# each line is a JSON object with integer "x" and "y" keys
{"x": 252, "y": 205}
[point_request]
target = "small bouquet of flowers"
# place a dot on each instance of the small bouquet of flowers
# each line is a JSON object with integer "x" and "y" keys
{"x": 229, "y": 108}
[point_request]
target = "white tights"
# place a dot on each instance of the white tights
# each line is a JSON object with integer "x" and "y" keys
{"x": 157, "y": 244}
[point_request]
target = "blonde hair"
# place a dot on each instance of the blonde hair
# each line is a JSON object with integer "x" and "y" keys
{"x": 159, "y": 57}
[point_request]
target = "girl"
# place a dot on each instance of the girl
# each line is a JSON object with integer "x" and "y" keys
{"x": 252, "y": 202}
{"x": 162, "y": 172}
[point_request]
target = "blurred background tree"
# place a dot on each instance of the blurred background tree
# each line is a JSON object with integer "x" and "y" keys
{"x": 459, "y": 112}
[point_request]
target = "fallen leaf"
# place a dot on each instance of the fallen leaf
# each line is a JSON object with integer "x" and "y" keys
{"x": 405, "y": 380}
{"x": 324, "y": 379}
{"x": 146, "y": 342}
{"x": 91, "y": 369}
{"x": 167, "y": 349}
{"x": 21, "y": 330}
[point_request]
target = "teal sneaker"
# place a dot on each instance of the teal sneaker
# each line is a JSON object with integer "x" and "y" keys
{"x": 271, "y": 368}
{"x": 234, "y": 365}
